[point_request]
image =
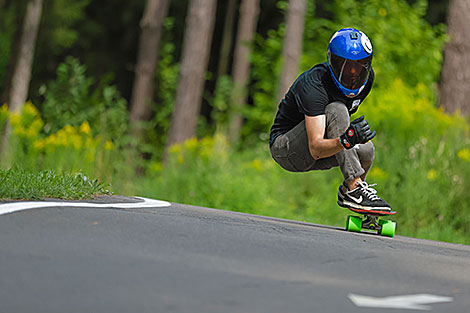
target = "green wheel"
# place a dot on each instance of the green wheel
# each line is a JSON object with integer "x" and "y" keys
{"x": 354, "y": 223}
{"x": 388, "y": 228}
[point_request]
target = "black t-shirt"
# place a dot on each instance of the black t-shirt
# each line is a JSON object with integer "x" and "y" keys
{"x": 311, "y": 92}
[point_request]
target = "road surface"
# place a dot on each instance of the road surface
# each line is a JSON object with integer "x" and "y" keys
{"x": 182, "y": 258}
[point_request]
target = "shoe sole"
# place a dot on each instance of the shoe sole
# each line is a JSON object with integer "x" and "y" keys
{"x": 372, "y": 212}
{"x": 355, "y": 206}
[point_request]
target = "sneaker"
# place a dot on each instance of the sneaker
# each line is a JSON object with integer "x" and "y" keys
{"x": 341, "y": 196}
{"x": 363, "y": 197}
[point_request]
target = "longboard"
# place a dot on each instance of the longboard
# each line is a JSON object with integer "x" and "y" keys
{"x": 371, "y": 220}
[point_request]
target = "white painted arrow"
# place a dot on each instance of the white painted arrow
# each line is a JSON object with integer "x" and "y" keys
{"x": 410, "y": 302}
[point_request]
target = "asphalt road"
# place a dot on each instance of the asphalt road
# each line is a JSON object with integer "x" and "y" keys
{"x": 190, "y": 259}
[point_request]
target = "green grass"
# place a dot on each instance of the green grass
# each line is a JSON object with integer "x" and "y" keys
{"x": 19, "y": 184}
{"x": 429, "y": 194}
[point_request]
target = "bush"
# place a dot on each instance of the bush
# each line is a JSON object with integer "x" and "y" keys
{"x": 406, "y": 47}
{"x": 70, "y": 100}
{"x": 422, "y": 160}
{"x": 422, "y": 168}
{"x": 70, "y": 149}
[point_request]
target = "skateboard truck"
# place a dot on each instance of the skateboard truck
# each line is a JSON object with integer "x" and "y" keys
{"x": 371, "y": 221}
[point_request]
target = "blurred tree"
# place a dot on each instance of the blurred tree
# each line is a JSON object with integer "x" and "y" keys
{"x": 151, "y": 31}
{"x": 11, "y": 19}
{"x": 249, "y": 11}
{"x": 196, "y": 46}
{"x": 226, "y": 44}
{"x": 216, "y": 111}
{"x": 292, "y": 46}
{"x": 455, "y": 94}
{"x": 59, "y": 36}
{"x": 22, "y": 72}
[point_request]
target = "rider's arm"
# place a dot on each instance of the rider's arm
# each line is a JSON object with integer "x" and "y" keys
{"x": 319, "y": 146}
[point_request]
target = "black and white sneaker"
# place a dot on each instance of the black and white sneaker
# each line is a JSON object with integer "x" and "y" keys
{"x": 363, "y": 197}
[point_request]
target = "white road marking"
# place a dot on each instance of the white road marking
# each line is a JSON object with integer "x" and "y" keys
{"x": 409, "y": 302}
{"x": 11, "y": 207}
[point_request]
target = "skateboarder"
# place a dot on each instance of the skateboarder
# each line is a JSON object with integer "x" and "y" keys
{"x": 312, "y": 128}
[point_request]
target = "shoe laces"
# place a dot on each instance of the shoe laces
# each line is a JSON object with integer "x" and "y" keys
{"x": 370, "y": 193}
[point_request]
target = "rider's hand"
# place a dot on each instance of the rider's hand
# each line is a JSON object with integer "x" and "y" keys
{"x": 357, "y": 132}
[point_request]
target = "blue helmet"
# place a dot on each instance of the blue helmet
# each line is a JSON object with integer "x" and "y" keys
{"x": 350, "y": 60}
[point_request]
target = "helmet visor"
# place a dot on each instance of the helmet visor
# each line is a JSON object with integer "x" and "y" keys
{"x": 351, "y": 74}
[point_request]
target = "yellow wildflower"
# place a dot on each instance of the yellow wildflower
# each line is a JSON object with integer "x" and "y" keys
{"x": 464, "y": 154}
{"x": 85, "y": 128}
{"x": 108, "y": 145}
{"x": 51, "y": 140}
{"x": 175, "y": 149}
{"x": 4, "y": 111}
{"x": 432, "y": 174}
{"x": 191, "y": 144}
{"x": 207, "y": 147}
{"x": 15, "y": 120}
{"x": 77, "y": 142}
{"x": 69, "y": 129}
{"x": 256, "y": 164}
{"x": 30, "y": 109}
{"x": 39, "y": 144}
{"x": 156, "y": 167}
{"x": 378, "y": 173}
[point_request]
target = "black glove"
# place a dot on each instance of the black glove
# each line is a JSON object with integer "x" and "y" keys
{"x": 357, "y": 132}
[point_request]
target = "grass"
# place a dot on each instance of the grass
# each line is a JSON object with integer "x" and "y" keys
{"x": 19, "y": 184}
{"x": 429, "y": 193}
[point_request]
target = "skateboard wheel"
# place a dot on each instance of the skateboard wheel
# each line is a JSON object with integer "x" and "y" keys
{"x": 388, "y": 228}
{"x": 354, "y": 223}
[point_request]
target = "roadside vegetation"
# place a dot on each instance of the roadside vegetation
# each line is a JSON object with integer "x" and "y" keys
{"x": 422, "y": 165}
{"x": 18, "y": 184}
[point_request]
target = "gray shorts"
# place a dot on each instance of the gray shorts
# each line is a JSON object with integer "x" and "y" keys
{"x": 291, "y": 150}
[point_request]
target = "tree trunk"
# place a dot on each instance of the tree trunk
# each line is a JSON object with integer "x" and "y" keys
{"x": 249, "y": 10}
{"x": 14, "y": 52}
{"x": 151, "y": 31}
{"x": 196, "y": 48}
{"x": 292, "y": 47}
{"x": 22, "y": 72}
{"x": 226, "y": 44}
{"x": 455, "y": 94}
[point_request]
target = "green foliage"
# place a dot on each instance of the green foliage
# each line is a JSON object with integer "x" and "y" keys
{"x": 71, "y": 100}
{"x": 405, "y": 45}
{"x": 425, "y": 177}
{"x": 8, "y": 21}
{"x": 422, "y": 158}
{"x": 69, "y": 149}
{"x": 58, "y": 30}
{"x": 166, "y": 80}
{"x": 265, "y": 69}
{"x": 208, "y": 172}
{"x": 422, "y": 161}
{"x": 20, "y": 184}
{"x": 222, "y": 103}
{"x": 422, "y": 164}
{"x": 67, "y": 98}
